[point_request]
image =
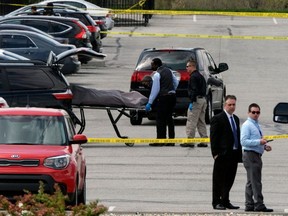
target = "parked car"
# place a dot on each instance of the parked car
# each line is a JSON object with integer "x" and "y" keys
{"x": 6, "y": 55}
{"x": 30, "y": 28}
{"x": 71, "y": 28}
{"x": 33, "y": 83}
{"x": 67, "y": 11}
{"x": 99, "y": 14}
{"x": 36, "y": 46}
{"x": 176, "y": 60}
{"x": 40, "y": 144}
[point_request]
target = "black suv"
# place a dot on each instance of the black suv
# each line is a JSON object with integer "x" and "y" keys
{"x": 176, "y": 60}
{"x": 39, "y": 84}
{"x": 63, "y": 27}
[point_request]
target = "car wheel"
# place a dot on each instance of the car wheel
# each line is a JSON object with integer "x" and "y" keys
{"x": 82, "y": 194}
{"x": 73, "y": 201}
{"x": 208, "y": 114}
{"x": 135, "y": 118}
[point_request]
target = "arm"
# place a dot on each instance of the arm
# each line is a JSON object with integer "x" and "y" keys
{"x": 155, "y": 88}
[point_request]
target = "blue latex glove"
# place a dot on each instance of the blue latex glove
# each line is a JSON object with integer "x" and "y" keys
{"x": 148, "y": 107}
{"x": 190, "y": 106}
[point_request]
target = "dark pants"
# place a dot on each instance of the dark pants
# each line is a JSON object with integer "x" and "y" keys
{"x": 165, "y": 108}
{"x": 224, "y": 172}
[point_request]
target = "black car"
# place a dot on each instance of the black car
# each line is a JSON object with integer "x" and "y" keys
{"x": 67, "y": 11}
{"x": 36, "y": 46}
{"x": 64, "y": 27}
{"x": 176, "y": 60}
{"x": 38, "y": 84}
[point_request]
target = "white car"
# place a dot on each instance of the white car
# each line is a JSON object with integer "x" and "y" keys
{"x": 94, "y": 10}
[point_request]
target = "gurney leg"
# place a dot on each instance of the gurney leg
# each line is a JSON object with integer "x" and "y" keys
{"x": 114, "y": 124}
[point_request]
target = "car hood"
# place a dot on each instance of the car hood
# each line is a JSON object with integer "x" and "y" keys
{"x": 76, "y": 51}
{"x": 24, "y": 151}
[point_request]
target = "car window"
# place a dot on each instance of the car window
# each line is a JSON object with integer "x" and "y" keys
{"x": 27, "y": 79}
{"x": 40, "y": 130}
{"x": 16, "y": 41}
{"x": 47, "y": 26}
{"x": 70, "y": 128}
{"x": 75, "y": 4}
{"x": 175, "y": 60}
{"x": 211, "y": 61}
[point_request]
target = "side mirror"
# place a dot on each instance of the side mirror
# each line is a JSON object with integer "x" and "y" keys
{"x": 280, "y": 113}
{"x": 222, "y": 67}
{"x": 79, "y": 139}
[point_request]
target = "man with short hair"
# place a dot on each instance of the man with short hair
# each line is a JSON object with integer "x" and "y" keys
{"x": 163, "y": 98}
{"x": 226, "y": 151}
{"x": 197, "y": 88}
{"x": 254, "y": 145}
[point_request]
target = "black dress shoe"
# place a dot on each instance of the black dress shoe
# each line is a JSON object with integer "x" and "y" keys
{"x": 202, "y": 145}
{"x": 219, "y": 207}
{"x": 250, "y": 209}
{"x": 230, "y": 206}
{"x": 263, "y": 210}
{"x": 156, "y": 144}
{"x": 169, "y": 144}
{"x": 191, "y": 145}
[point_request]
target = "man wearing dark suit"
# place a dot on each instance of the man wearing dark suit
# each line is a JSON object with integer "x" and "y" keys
{"x": 226, "y": 151}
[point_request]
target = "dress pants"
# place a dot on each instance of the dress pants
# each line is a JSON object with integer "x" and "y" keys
{"x": 224, "y": 172}
{"x": 253, "y": 164}
{"x": 165, "y": 109}
{"x": 196, "y": 119}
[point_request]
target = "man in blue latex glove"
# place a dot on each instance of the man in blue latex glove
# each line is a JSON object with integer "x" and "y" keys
{"x": 196, "y": 111}
{"x": 148, "y": 107}
{"x": 190, "y": 106}
{"x": 163, "y": 98}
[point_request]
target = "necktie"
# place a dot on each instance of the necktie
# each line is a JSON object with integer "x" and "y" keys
{"x": 234, "y": 133}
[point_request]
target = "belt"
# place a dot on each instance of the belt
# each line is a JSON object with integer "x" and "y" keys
{"x": 253, "y": 152}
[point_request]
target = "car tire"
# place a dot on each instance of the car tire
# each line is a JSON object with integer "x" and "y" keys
{"x": 135, "y": 118}
{"x": 82, "y": 194}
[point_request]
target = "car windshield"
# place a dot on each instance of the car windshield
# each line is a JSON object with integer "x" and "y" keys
{"x": 175, "y": 59}
{"x": 33, "y": 130}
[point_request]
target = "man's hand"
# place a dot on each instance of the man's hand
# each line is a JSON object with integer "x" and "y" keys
{"x": 190, "y": 106}
{"x": 148, "y": 107}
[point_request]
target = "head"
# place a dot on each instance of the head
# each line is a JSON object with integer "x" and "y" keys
{"x": 191, "y": 66}
{"x": 147, "y": 81}
{"x": 33, "y": 8}
{"x": 254, "y": 111}
{"x": 230, "y": 104}
{"x": 156, "y": 63}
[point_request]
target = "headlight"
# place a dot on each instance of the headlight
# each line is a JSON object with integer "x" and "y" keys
{"x": 59, "y": 162}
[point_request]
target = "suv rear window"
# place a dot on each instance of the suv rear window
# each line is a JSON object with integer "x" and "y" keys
{"x": 26, "y": 79}
{"x": 175, "y": 60}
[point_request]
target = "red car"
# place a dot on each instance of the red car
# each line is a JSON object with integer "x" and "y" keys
{"x": 40, "y": 144}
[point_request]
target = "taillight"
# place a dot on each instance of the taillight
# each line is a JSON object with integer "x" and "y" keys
{"x": 92, "y": 28}
{"x": 100, "y": 22}
{"x": 64, "y": 96}
{"x": 185, "y": 76}
{"x": 82, "y": 34}
{"x": 138, "y": 76}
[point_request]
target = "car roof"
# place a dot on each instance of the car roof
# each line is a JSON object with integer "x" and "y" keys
{"x": 57, "y": 18}
{"x": 31, "y": 33}
{"x": 172, "y": 49}
{"x": 34, "y": 111}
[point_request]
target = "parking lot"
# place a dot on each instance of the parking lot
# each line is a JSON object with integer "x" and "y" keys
{"x": 175, "y": 179}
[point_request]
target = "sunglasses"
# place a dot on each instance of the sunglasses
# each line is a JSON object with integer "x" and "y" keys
{"x": 255, "y": 112}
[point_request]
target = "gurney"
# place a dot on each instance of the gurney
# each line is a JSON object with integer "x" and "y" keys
{"x": 125, "y": 103}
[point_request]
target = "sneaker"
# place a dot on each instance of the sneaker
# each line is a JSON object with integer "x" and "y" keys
{"x": 156, "y": 144}
{"x": 202, "y": 145}
{"x": 191, "y": 145}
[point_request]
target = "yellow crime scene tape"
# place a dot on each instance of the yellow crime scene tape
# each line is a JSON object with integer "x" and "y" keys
{"x": 176, "y": 140}
{"x": 199, "y": 36}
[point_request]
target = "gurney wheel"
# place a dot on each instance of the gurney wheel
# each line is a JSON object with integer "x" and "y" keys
{"x": 129, "y": 144}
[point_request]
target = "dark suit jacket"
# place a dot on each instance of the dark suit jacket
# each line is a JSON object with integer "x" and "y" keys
{"x": 221, "y": 136}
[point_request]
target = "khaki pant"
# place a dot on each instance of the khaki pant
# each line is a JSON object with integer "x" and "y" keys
{"x": 196, "y": 119}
